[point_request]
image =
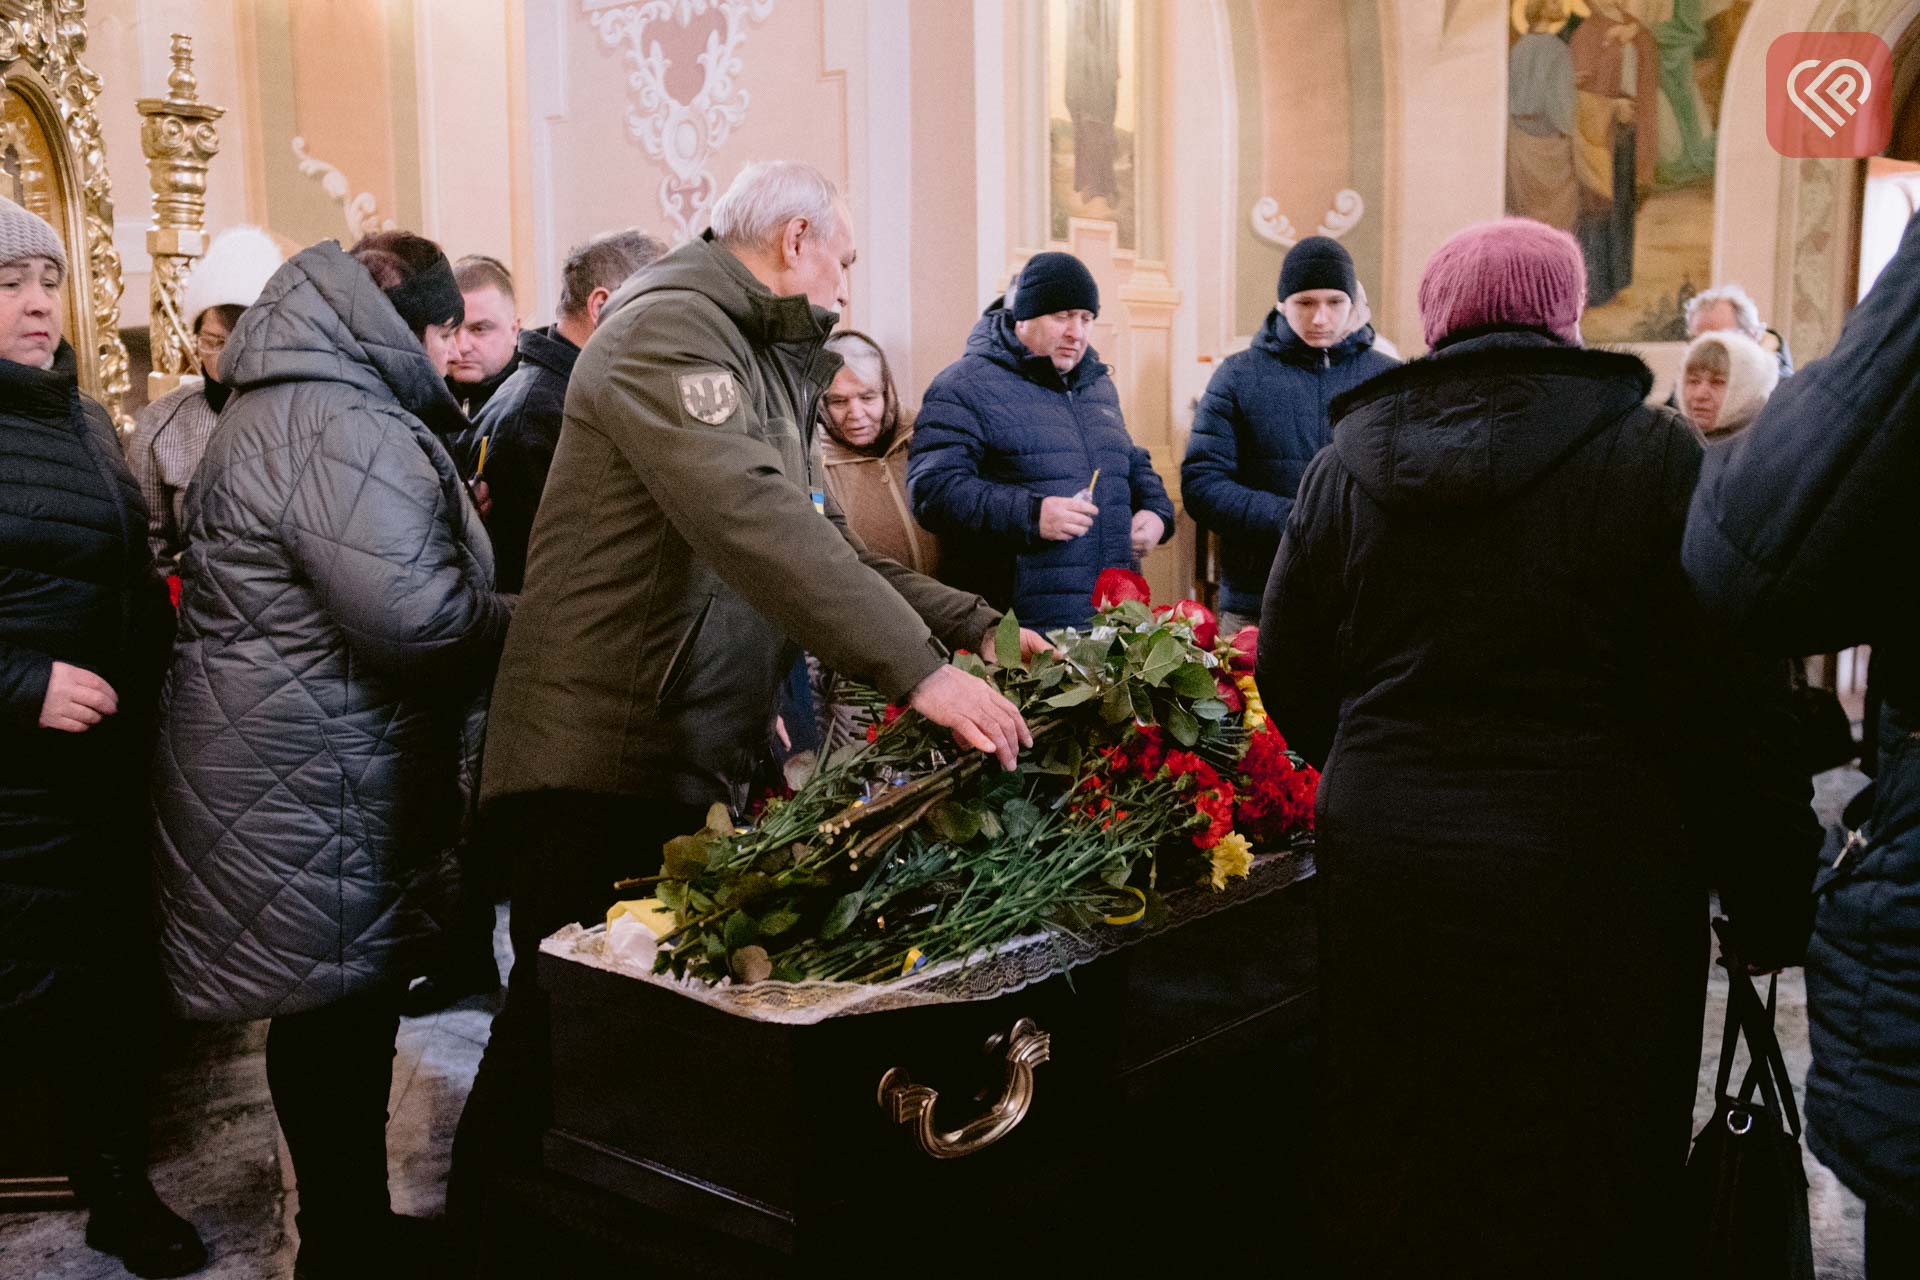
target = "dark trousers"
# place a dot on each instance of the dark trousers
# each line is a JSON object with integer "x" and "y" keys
{"x": 330, "y": 1070}
{"x": 563, "y": 850}
{"x": 96, "y": 1129}
{"x": 1893, "y": 1243}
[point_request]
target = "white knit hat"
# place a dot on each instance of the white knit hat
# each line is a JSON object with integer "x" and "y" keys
{"x": 1752, "y": 374}
{"x": 236, "y": 268}
{"x": 26, "y": 235}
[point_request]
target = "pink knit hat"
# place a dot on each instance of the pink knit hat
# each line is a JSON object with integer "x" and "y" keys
{"x": 1515, "y": 271}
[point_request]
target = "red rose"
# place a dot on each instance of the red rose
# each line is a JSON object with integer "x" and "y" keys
{"x": 1246, "y": 645}
{"x": 1206, "y": 628}
{"x": 1114, "y": 586}
{"x": 1230, "y": 695}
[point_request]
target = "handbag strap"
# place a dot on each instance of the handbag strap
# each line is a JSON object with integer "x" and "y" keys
{"x": 1749, "y": 1016}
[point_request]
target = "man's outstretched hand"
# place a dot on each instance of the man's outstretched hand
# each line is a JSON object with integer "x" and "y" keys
{"x": 976, "y": 712}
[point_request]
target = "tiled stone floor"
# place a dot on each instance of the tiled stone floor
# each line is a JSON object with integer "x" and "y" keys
{"x": 219, "y": 1160}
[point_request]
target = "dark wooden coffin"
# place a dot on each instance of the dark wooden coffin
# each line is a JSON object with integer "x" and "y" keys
{"x": 1173, "y": 1088}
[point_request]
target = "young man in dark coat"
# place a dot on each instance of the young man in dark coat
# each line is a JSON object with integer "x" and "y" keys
{"x": 1535, "y": 763}
{"x": 1021, "y": 460}
{"x": 84, "y": 627}
{"x": 1264, "y": 416}
{"x": 1796, "y": 540}
{"x": 520, "y": 423}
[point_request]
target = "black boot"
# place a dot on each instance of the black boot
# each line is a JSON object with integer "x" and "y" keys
{"x": 130, "y": 1221}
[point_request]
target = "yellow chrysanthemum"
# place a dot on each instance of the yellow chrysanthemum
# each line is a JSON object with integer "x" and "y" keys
{"x": 1255, "y": 717}
{"x": 1233, "y": 856}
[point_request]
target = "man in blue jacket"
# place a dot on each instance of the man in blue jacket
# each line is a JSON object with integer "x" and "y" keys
{"x": 1021, "y": 458}
{"x": 1264, "y": 416}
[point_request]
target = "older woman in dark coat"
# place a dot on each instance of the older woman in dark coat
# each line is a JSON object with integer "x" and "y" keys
{"x": 1535, "y": 763}
{"x": 337, "y": 629}
{"x": 84, "y": 625}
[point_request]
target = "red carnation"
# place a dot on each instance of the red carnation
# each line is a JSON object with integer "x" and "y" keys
{"x": 173, "y": 589}
{"x": 1246, "y": 645}
{"x": 1206, "y": 628}
{"x": 891, "y": 714}
{"x": 1150, "y": 749}
{"x": 1114, "y": 586}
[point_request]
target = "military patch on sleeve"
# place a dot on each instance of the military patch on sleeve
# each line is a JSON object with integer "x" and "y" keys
{"x": 711, "y": 396}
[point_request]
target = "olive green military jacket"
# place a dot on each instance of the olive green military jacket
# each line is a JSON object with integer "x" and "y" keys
{"x": 677, "y": 557}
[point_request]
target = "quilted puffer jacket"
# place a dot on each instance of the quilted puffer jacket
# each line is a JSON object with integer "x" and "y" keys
{"x": 337, "y": 626}
{"x": 999, "y": 430}
{"x": 1261, "y": 420}
{"x": 76, "y": 586}
{"x": 1797, "y": 540}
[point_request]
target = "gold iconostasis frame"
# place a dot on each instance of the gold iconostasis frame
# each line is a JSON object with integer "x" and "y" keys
{"x": 51, "y": 155}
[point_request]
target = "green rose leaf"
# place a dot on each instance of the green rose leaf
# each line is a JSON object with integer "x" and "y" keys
{"x": 751, "y": 888}
{"x": 1006, "y": 641}
{"x": 1118, "y": 704}
{"x": 1130, "y": 613}
{"x": 1019, "y": 817}
{"x": 1164, "y": 656}
{"x": 840, "y": 916}
{"x": 686, "y": 856}
{"x": 1049, "y": 670}
{"x": 719, "y": 821}
{"x": 1210, "y": 709}
{"x": 1074, "y": 696}
{"x": 741, "y": 929}
{"x": 954, "y": 823}
{"x": 777, "y": 922}
{"x": 1143, "y": 705}
{"x": 1184, "y": 728}
{"x": 1089, "y": 654}
{"x": 1193, "y": 680}
{"x": 971, "y": 664}
{"x": 989, "y": 825}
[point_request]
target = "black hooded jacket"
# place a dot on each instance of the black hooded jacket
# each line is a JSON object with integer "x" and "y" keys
{"x": 519, "y": 428}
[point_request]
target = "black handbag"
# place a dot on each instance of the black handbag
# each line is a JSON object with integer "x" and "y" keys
{"x": 1746, "y": 1185}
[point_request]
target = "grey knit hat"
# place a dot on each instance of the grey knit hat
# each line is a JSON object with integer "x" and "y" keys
{"x": 27, "y": 235}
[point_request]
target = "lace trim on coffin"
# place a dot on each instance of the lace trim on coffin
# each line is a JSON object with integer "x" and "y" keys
{"x": 1019, "y": 964}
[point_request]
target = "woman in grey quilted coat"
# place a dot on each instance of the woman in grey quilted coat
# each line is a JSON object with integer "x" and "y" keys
{"x": 338, "y": 625}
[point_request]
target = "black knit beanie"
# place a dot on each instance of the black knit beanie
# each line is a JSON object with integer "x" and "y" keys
{"x": 431, "y": 296}
{"x": 1053, "y": 282}
{"x": 1317, "y": 262}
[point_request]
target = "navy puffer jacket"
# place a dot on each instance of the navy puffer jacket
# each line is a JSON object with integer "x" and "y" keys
{"x": 1261, "y": 420}
{"x": 1796, "y": 539}
{"x": 1001, "y": 429}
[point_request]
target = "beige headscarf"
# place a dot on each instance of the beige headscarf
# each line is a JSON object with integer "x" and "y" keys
{"x": 1752, "y": 374}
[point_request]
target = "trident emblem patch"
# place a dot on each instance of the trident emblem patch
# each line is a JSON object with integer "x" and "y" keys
{"x": 710, "y": 397}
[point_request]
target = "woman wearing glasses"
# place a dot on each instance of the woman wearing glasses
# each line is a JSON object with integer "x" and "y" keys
{"x": 170, "y": 434}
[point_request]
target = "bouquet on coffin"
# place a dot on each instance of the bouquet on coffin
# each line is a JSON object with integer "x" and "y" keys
{"x": 1153, "y": 770}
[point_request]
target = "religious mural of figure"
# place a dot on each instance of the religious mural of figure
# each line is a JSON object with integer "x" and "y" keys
{"x": 1686, "y": 130}
{"x": 1093, "y": 95}
{"x": 1617, "y": 120}
{"x": 1540, "y": 125}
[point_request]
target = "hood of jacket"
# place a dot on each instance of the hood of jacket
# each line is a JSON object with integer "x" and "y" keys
{"x": 1277, "y": 337}
{"x": 1481, "y": 419}
{"x": 993, "y": 339}
{"x": 321, "y": 318}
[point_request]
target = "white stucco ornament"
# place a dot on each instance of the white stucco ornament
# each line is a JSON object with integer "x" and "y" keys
{"x": 1275, "y": 227}
{"x": 681, "y": 134}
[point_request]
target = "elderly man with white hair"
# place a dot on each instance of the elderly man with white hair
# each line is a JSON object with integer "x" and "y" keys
{"x": 1729, "y": 307}
{"x": 676, "y": 562}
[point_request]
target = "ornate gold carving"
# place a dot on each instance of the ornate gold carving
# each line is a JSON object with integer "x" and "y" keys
{"x": 40, "y": 46}
{"x": 177, "y": 134}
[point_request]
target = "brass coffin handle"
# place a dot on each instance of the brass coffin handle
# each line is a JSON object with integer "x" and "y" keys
{"x": 907, "y": 1103}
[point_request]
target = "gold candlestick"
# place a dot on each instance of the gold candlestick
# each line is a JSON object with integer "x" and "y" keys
{"x": 178, "y": 136}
